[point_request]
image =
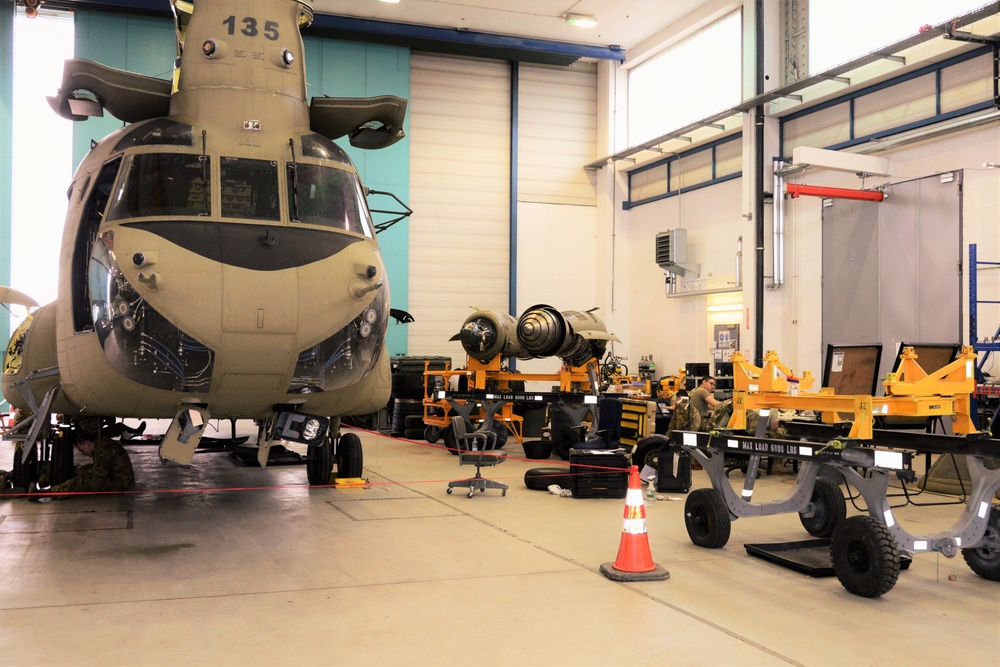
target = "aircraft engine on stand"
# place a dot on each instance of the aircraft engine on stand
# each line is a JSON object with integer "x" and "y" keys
{"x": 486, "y": 334}
{"x": 572, "y": 335}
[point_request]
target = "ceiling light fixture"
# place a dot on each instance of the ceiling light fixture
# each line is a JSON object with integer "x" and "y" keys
{"x": 730, "y": 308}
{"x": 580, "y": 20}
{"x": 395, "y": 2}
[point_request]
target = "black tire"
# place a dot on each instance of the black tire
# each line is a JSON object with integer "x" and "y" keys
{"x": 432, "y": 434}
{"x": 501, "y": 430}
{"x": 414, "y": 421}
{"x": 565, "y": 438}
{"x": 539, "y": 479}
{"x": 985, "y": 559}
{"x": 319, "y": 463}
{"x": 707, "y": 519}
{"x": 350, "y": 456}
{"x": 830, "y": 509}
{"x": 402, "y": 409}
{"x": 865, "y": 556}
{"x": 413, "y": 434}
{"x": 647, "y": 451}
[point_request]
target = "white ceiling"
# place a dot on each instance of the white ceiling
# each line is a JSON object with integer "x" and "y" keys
{"x": 624, "y": 23}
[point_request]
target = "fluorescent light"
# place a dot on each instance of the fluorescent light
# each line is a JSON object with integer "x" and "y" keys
{"x": 580, "y": 20}
{"x": 392, "y": 1}
{"x": 731, "y": 308}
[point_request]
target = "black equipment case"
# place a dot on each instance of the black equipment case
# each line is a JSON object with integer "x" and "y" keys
{"x": 673, "y": 470}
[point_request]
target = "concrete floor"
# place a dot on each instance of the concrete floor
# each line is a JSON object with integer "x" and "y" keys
{"x": 224, "y": 564}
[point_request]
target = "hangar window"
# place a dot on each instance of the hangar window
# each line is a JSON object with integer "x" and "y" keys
{"x": 699, "y": 167}
{"x": 329, "y": 197}
{"x": 951, "y": 88}
{"x": 692, "y": 79}
{"x": 162, "y": 184}
{"x": 249, "y": 189}
{"x": 841, "y": 30}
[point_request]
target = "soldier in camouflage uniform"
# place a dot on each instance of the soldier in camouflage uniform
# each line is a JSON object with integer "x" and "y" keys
{"x": 110, "y": 471}
{"x": 685, "y": 417}
{"x": 724, "y": 410}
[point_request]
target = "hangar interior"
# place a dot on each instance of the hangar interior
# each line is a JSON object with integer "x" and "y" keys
{"x": 692, "y": 175}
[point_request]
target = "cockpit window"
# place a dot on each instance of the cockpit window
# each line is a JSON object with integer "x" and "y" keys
{"x": 328, "y": 197}
{"x": 249, "y": 189}
{"x": 162, "y": 184}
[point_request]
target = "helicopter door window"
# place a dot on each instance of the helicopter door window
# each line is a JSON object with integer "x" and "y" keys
{"x": 162, "y": 184}
{"x": 249, "y": 189}
{"x": 328, "y": 197}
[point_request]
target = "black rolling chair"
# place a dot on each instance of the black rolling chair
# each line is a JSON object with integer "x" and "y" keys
{"x": 477, "y": 448}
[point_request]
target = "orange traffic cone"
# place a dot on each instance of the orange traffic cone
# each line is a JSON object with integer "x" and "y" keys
{"x": 634, "y": 562}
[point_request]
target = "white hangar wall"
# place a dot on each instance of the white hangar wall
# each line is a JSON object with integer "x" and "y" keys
{"x": 679, "y": 329}
{"x": 801, "y": 315}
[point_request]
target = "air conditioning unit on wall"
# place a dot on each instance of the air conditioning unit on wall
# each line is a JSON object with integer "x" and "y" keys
{"x": 671, "y": 253}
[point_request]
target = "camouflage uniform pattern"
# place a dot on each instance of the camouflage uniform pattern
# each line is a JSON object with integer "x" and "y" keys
{"x": 110, "y": 471}
{"x": 685, "y": 417}
{"x": 724, "y": 410}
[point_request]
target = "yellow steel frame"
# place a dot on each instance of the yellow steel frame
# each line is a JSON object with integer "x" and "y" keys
{"x": 572, "y": 379}
{"x": 910, "y": 392}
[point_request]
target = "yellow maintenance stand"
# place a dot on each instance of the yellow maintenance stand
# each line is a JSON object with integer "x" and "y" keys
{"x": 909, "y": 392}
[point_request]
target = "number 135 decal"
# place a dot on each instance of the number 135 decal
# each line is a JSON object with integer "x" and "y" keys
{"x": 250, "y": 28}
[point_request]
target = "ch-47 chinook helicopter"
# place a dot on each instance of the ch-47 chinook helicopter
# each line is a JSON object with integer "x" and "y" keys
{"x": 219, "y": 257}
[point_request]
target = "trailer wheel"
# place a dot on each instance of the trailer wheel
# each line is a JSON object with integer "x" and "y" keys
{"x": 707, "y": 519}
{"x": 647, "y": 451}
{"x": 829, "y": 509}
{"x": 985, "y": 558}
{"x": 432, "y": 434}
{"x": 319, "y": 463}
{"x": 564, "y": 438}
{"x": 350, "y": 456}
{"x": 865, "y": 556}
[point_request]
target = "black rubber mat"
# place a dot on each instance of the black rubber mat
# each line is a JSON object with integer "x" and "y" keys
{"x": 810, "y": 557}
{"x": 277, "y": 456}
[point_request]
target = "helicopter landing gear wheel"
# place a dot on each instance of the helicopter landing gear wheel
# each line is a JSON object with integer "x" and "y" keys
{"x": 350, "y": 458}
{"x": 319, "y": 463}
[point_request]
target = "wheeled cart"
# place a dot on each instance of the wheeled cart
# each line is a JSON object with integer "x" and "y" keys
{"x": 865, "y": 549}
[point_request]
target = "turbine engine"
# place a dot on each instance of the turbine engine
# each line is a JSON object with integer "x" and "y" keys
{"x": 572, "y": 335}
{"x": 486, "y": 334}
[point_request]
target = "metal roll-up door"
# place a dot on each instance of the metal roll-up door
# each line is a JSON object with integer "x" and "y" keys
{"x": 460, "y": 194}
{"x": 557, "y": 133}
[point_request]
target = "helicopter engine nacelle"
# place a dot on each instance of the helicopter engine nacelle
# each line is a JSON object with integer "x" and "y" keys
{"x": 572, "y": 335}
{"x": 486, "y": 334}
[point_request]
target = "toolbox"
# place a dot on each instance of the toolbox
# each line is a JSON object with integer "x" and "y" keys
{"x": 589, "y": 470}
